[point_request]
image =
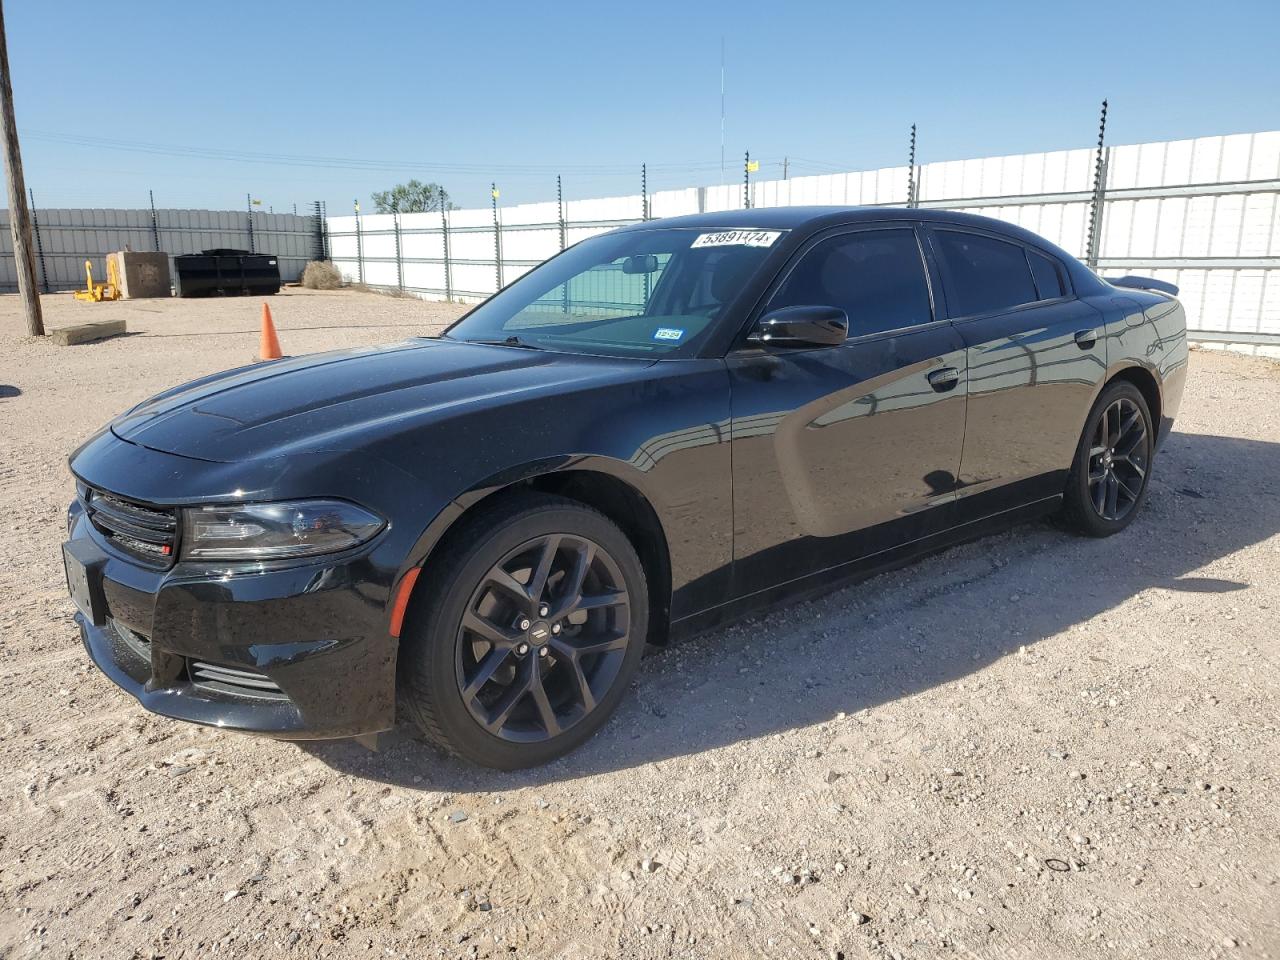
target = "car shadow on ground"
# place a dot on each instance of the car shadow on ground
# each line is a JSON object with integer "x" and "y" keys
{"x": 898, "y": 634}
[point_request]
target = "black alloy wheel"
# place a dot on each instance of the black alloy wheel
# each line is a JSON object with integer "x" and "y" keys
{"x": 531, "y": 623}
{"x": 1112, "y": 468}
{"x": 1118, "y": 460}
{"x": 543, "y": 637}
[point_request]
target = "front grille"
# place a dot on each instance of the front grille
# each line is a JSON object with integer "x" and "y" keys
{"x": 237, "y": 680}
{"x": 150, "y": 533}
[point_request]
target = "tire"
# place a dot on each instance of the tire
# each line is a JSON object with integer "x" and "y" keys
{"x": 511, "y": 680}
{"x": 1112, "y": 467}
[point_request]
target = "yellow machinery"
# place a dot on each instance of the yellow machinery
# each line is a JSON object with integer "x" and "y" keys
{"x": 97, "y": 292}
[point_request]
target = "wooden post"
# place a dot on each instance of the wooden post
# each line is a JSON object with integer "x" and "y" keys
{"x": 19, "y": 214}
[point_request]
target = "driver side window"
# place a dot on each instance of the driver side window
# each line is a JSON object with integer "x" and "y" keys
{"x": 876, "y": 276}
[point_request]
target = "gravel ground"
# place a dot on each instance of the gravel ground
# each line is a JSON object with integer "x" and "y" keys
{"x": 1032, "y": 745}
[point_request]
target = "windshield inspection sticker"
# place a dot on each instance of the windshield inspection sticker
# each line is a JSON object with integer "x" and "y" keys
{"x": 672, "y": 334}
{"x": 736, "y": 238}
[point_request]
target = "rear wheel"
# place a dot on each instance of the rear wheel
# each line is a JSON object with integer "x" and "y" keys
{"x": 531, "y": 627}
{"x": 1112, "y": 467}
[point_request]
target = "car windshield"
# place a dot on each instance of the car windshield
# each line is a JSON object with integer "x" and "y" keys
{"x": 632, "y": 293}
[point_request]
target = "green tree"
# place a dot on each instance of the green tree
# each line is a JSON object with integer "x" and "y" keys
{"x": 411, "y": 197}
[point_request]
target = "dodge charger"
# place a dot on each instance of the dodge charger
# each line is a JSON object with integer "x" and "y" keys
{"x": 658, "y": 429}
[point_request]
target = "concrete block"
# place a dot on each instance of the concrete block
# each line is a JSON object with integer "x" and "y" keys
{"x": 87, "y": 332}
{"x": 142, "y": 274}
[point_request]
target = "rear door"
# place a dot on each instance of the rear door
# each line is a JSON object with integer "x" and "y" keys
{"x": 845, "y": 451}
{"x": 1035, "y": 357}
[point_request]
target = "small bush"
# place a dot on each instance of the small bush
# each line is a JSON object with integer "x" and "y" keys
{"x": 321, "y": 275}
{"x": 395, "y": 292}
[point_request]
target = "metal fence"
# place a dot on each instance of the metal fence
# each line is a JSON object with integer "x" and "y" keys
{"x": 66, "y": 238}
{"x": 1202, "y": 213}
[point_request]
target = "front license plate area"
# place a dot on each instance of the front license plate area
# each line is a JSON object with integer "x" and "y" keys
{"x": 85, "y": 587}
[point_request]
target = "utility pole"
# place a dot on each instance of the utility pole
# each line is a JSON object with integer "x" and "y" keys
{"x": 19, "y": 214}
{"x": 785, "y": 163}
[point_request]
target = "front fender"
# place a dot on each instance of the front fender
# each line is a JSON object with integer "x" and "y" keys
{"x": 513, "y": 476}
{"x": 665, "y": 437}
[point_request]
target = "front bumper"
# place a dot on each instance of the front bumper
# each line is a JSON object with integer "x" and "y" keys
{"x": 300, "y": 652}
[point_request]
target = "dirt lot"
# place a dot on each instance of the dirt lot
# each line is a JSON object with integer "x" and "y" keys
{"x": 1033, "y": 745}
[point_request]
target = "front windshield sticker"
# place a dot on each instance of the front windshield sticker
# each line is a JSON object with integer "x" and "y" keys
{"x": 737, "y": 238}
{"x": 668, "y": 333}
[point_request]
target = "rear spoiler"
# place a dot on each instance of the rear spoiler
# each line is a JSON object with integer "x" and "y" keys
{"x": 1143, "y": 283}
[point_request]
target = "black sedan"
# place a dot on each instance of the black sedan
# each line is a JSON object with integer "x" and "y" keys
{"x": 659, "y": 428}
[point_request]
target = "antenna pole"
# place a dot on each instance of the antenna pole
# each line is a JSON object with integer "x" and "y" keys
{"x": 722, "y": 107}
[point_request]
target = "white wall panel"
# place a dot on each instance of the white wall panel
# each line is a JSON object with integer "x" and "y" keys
{"x": 530, "y": 244}
{"x": 425, "y": 276}
{"x": 471, "y": 244}
{"x": 673, "y": 203}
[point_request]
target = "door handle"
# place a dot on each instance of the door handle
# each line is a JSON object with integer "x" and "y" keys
{"x": 944, "y": 379}
{"x": 1085, "y": 339}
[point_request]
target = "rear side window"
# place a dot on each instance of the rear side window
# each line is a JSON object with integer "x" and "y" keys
{"x": 875, "y": 276}
{"x": 1048, "y": 276}
{"x": 983, "y": 275}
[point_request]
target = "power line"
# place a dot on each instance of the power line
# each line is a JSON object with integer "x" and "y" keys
{"x": 354, "y": 163}
{"x": 835, "y": 167}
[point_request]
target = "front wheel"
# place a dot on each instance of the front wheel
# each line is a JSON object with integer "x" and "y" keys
{"x": 530, "y": 629}
{"x": 1112, "y": 467}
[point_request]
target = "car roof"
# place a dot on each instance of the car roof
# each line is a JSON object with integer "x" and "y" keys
{"x": 808, "y": 220}
{"x": 791, "y": 218}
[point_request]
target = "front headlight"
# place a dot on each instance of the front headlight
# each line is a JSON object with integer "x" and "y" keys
{"x": 276, "y": 531}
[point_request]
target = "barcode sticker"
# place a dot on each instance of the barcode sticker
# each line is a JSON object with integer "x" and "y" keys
{"x": 737, "y": 238}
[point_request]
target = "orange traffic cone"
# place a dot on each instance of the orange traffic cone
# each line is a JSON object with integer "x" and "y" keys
{"x": 269, "y": 348}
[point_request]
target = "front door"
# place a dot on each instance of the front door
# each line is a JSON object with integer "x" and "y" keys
{"x": 843, "y": 452}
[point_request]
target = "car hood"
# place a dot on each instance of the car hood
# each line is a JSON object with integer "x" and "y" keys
{"x": 334, "y": 401}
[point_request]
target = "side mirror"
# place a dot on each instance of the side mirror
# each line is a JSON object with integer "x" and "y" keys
{"x": 640, "y": 263}
{"x": 802, "y": 327}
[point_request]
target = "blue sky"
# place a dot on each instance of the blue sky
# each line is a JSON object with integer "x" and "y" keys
{"x": 348, "y": 98}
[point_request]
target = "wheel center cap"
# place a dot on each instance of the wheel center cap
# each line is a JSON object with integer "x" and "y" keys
{"x": 540, "y": 632}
